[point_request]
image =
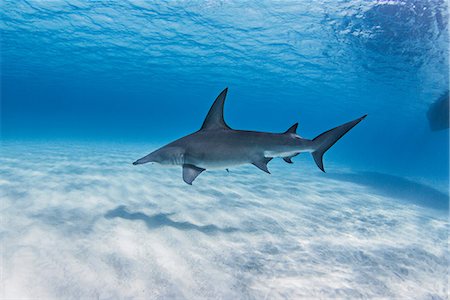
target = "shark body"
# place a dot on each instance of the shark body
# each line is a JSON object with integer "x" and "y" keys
{"x": 216, "y": 145}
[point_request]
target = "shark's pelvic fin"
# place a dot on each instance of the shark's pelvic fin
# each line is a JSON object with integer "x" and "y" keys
{"x": 190, "y": 172}
{"x": 292, "y": 129}
{"x": 214, "y": 119}
{"x": 327, "y": 139}
{"x": 262, "y": 164}
{"x": 288, "y": 159}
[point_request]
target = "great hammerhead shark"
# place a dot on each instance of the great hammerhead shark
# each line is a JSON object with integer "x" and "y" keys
{"x": 216, "y": 145}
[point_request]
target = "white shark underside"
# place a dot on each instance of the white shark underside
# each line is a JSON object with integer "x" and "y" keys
{"x": 216, "y": 145}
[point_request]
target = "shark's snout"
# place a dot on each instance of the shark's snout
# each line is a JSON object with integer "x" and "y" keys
{"x": 146, "y": 159}
{"x": 140, "y": 161}
{"x": 143, "y": 160}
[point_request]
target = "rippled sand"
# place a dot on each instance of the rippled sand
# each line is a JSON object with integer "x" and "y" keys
{"x": 79, "y": 221}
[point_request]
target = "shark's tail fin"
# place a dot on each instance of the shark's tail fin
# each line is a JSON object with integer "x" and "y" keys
{"x": 327, "y": 139}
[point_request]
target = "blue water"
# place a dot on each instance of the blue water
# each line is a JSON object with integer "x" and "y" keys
{"x": 89, "y": 87}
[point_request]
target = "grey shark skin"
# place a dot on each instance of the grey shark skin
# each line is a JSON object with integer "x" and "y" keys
{"x": 216, "y": 145}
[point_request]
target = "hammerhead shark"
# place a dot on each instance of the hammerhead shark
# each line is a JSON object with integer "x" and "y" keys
{"x": 217, "y": 146}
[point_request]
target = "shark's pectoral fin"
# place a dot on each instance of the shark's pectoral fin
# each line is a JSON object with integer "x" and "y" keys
{"x": 262, "y": 164}
{"x": 190, "y": 172}
{"x": 288, "y": 159}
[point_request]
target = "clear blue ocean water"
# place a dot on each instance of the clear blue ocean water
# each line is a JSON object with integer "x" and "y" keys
{"x": 88, "y": 87}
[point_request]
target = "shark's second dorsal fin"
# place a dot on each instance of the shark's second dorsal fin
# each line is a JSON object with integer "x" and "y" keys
{"x": 214, "y": 118}
{"x": 292, "y": 129}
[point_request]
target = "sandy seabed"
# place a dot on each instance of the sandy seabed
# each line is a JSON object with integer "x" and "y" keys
{"x": 79, "y": 221}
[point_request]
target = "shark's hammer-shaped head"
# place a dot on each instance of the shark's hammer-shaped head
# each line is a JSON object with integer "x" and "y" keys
{"x": 166, "y": 155}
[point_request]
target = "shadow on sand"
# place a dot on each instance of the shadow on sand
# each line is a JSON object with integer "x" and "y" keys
{"x": 398, "y": 187}
{"x": 161, "y": 220}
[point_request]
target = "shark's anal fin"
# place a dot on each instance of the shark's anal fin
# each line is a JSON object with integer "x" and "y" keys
{"x": 288, "y": 159}
{"x": 214, "y": 118}
{"x": 190, "y": 172}
{"x": 262, "y": 164}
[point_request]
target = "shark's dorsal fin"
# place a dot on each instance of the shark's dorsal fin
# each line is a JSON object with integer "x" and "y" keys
{"x": 214, "y": 118}
{"x": 292, "y": 129}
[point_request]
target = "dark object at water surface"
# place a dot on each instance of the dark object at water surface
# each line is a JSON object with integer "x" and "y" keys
{"x": 438, "y": 114}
